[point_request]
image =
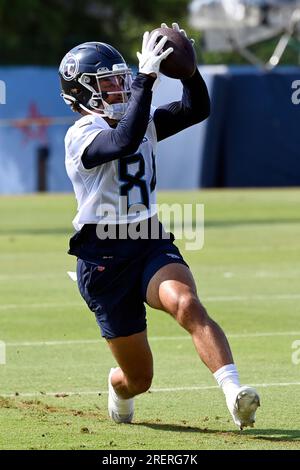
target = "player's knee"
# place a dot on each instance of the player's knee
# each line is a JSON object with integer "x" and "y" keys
{"x": 190, "y": 312}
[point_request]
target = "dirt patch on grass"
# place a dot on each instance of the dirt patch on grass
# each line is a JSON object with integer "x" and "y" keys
{"x": 37, "y": 406}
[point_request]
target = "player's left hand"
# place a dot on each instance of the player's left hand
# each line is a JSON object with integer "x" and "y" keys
{"x": 176, "y": 27}
{"x": 152, "y": 54}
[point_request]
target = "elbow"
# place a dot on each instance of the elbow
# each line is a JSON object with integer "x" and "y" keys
{"x": 129, "y": 144}
{"x": 203, "y": 113}
{"x": 128, "y": 148}
{"x": 124, "y": 142}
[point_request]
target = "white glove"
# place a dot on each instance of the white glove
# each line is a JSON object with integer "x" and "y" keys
{"x": 176, "y": 27}
{"x": 150, "y": 58}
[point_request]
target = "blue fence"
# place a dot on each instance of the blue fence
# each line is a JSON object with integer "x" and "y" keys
{"x": 31, "y": 93}
{"x": 252, "y": 137}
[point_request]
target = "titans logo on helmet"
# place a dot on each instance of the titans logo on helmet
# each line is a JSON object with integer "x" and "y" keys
{"x": 69, "y": 67}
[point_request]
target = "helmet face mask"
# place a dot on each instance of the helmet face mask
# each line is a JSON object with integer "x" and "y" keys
{"x": 110, "y": 92}
{"x": 95, "y": 77}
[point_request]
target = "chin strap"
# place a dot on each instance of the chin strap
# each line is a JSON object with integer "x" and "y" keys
{"x": 115, "y": 111}
{"x": 112, "y": 111}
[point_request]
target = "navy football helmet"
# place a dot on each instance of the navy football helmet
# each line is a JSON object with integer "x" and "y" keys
{"x": 83, "y": 72}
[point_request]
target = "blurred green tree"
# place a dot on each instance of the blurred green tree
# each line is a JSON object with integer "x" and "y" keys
{"x": 40, "y": 32}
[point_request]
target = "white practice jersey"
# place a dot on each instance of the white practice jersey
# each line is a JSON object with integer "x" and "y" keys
{"x": 120, "y": 191}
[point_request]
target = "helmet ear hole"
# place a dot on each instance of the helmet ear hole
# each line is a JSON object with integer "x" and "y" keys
{"x": 75, "y": 105}
{"x": 75, "y": 91}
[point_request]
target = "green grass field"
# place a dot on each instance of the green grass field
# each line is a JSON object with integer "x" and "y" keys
{"x": 53, "y": 386}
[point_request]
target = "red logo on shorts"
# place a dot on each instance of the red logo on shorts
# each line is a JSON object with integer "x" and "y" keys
{"x": 100, "y": 268}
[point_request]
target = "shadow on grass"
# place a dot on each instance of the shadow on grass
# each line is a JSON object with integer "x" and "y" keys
{"x": 14, "y": 231}
{"x": 274, "y": 435}
{"x": 270, "y": 435}
{"x": 183, "y": 428}
{"x": 241, "y": 222}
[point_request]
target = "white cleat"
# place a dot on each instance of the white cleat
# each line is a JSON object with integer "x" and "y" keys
{"x": 120, "y": 410}
{"x": 244, "y": 406}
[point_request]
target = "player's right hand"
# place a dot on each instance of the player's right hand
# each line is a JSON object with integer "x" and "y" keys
{"x": 151, "y": 56}
{"x": 177, "y": 28}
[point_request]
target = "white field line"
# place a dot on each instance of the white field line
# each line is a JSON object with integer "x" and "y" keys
{"x": 151, "y": 338}
{"x": 246, "y": 298}
{"x": 220, "y": 270}
{"x": 30, "y": 277}
{"x": 220, "y": 298}
{"x": 239, "y": 249}
{"x": 41, "y": 305}
{"x": 152, "y": 390}
{"x": 227, "y": 274}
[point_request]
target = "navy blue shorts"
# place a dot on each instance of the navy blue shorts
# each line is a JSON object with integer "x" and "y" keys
{"x": 114, "y": 281}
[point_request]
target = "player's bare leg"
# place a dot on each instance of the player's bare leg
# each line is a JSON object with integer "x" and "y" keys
{"x": 173, "y": 290}
{"x": 134, "y": 376}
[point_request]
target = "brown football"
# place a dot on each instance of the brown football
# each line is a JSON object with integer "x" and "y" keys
{"x": 181, "y": 63}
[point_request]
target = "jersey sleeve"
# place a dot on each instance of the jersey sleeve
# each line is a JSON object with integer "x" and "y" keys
{"x": 80, "y": 136}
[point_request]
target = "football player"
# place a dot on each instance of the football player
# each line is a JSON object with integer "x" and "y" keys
{"x": 110, "y": 157}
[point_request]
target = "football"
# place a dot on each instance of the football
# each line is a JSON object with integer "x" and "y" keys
{"x": 181, "y": 63}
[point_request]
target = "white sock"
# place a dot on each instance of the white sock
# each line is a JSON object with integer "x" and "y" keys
{"x": 228, "y": 378}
